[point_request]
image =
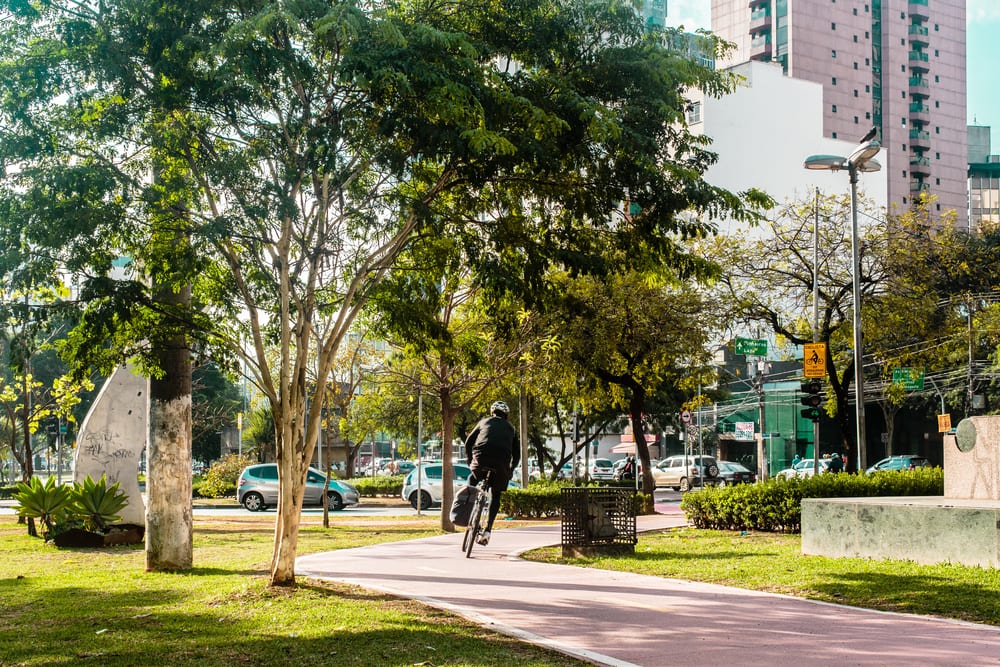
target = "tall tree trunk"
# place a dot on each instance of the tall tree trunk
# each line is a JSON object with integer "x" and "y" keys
{"x": 168, "y": 485}
{"x": 635, "y": 410}
{"x": 447, "y": 452}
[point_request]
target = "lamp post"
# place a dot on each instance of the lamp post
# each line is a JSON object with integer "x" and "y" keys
{"x": 861, "y": 160}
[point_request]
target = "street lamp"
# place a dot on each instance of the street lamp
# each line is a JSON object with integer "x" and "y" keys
{"x": 861, "y": 160}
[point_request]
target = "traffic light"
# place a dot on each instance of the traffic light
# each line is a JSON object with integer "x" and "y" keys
{"x": 813, "y": 390}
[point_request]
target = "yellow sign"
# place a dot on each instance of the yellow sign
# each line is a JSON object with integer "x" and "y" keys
{"x": 814, "y": 360}
{"x": 944, "y": 423}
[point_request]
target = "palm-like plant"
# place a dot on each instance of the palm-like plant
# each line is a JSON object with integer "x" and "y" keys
{"x": 48, "y": 502}
{"x": 97, "y": 504}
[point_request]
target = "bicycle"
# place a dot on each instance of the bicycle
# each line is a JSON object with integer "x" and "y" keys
{"x": 480, "y": 516}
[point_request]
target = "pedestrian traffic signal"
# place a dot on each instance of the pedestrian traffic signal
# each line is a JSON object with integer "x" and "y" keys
{"x": 813, "y": 398}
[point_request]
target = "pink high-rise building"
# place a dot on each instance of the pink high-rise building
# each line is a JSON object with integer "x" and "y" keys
{"x": 896, "y": 65}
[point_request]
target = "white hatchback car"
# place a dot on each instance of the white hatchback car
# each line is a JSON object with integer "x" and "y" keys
{"x": 430, "y": 490}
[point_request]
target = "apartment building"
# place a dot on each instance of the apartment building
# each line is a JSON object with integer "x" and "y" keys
{"x": 896, "y": 65}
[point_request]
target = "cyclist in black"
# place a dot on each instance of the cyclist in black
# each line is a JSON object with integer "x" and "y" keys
{"x": 493, "y": 446}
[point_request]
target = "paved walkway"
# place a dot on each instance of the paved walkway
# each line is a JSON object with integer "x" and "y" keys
{"x": 621, "y": 619}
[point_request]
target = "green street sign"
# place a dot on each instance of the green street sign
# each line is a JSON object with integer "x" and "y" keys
{"x": 754, "y": 346}
{"x": 912, "y": 379}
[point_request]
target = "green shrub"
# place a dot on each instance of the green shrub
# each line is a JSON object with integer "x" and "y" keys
{"x": 90, "y": 505}
{"x": 96, "y": 504}
{"x": 776, "y": 505}
{"x": 380, "y": 485}
{"x": 7, "y": 492}
{"x": 542, "y": 499}
{"x": 46, "y": 501}
{"x": 221, "y": 479}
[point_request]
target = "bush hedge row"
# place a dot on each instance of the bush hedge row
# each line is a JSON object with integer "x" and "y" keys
{"x": 381, "y": 485}
{"x": 776, "y": 505}
{"x": 543, "y": 499}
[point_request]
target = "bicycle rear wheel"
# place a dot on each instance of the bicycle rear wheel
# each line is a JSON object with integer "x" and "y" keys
{"x": 472, "y": 532}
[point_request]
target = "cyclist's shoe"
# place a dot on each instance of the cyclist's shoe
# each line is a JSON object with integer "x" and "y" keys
{"x": 484, "y": 538}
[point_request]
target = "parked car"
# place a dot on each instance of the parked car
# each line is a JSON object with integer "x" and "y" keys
{"x": 257, "y": 489}
{"x": 731, "y": 472}
{"x": 619, "y": 465}
{"x": 430, "y": 491}
{"x": 680, "y": 473}
{"x": 600, "y": 469}
{"x": 900, "y": 462}
{"x": 803, "y": 468}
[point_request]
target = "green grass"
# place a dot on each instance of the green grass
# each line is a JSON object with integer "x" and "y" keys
{"x": 774, "y": 562}
{"x": 99, "y": 607}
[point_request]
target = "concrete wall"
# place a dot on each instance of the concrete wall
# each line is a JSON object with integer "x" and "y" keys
{"x": 926, "y": 530}
{"x": 972, "y": 460}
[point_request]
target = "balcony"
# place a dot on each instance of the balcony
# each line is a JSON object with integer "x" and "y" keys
{"x": 920, "y": 166}
{"x": 918, "y": 35}
{"x": 760, "y": 47}
{"x": 918, "y": 10}
{"x": 920, "y": 113}
{"x": 757, "y": 4}
{"x": 920, "y": 139}
{"x": 760, "y": 21}
{"x": 918, "y": 61}
{"x": 919, "y": 87}
{"x": 917, "y": 186}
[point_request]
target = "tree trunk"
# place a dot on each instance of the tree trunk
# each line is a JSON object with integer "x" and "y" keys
{"x": 168, "y": 486}
{"x": 635, "y": 411}
{"x": 293, "y": 464}
{"x": 447, "y": 467}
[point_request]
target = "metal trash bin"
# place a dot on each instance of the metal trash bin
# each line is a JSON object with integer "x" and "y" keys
{"x": 598, "y": 521}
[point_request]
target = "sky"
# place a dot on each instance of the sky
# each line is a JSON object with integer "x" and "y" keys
{"x": 982, "y": 54}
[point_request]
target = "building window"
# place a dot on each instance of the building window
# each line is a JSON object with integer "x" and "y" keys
{"x": 868, "y": 88}
{"x": 694, "y": 113}
{"x": 902, "y": 42}
{"x": 833, "y": 53}
{"x": 868, "y": 115}
{"x": 937, "y": 156}
{"x": 937, "y": 181}
{"x": 937, "y": 105}
{"x": 855, "y": 64}
{"x": 937, "y": 130}
{"x": 867, "y": 35}
{"x": 855, "y": 92}
{"x": 904, "y": 173}
{"x": 855, "y": 11}
{"x": 855, "y": 39}
{"x": 904, "y": 121}
{"x": 833, "y": 26}
{"x": 937, "y": 79}
{"x": 834, "y": 135}
{"x": 937, "y": 53}
{"x": 902, "y": 68}
{"x": 833, "y": 80}
{"x": 856, "y": 120}
{"x": 935, "y": 27}
{"x": 868, "y": 62}
{"x": 834, "y": 109}
{"x": 938, "y": 206}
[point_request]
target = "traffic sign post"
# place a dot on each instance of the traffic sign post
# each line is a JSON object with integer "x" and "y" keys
{"x": 912, "y": 379}
{"x": 752, "y": 346}
{"x": 814, "y": 360}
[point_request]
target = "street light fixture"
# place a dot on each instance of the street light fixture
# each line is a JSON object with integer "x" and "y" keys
{"x": 861, "y": 160}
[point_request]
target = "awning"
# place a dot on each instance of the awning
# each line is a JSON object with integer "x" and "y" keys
{"x": 624, "y": 448}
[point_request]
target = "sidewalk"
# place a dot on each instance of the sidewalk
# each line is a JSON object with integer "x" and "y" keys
{"x": 622, "y": 619}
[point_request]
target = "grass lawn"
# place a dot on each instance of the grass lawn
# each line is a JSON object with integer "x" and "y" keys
{"x": 98, "y": 607}
{"x": 773, "y": 562}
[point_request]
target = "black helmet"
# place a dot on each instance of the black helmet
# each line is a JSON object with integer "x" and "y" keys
{"x": 500, "y": 409}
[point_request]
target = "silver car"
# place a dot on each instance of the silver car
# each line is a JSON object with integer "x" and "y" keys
{"x": 682, "y": 472}
{"x": 429, "y": 492}
{"x": 258, "y": 489}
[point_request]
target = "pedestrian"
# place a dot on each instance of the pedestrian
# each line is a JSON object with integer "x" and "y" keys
{"x": 836, "y": 464}
{"x": 796, "y": 459}
{"x": 493, "y": 447}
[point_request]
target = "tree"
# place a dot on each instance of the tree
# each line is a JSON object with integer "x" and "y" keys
{"x": 297, "y": 149}
{"x": 215, "y": 402}
{"x": 770, "y": 282}
{"x": 637, "y": 335}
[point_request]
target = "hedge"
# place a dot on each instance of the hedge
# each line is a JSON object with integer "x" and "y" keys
{"x": 542, "y": 499}
{"x": 776, "y": 505}
{"x": 380, "y": 485}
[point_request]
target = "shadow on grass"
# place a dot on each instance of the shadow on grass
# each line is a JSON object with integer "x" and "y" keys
{"x": 311, "y": 625}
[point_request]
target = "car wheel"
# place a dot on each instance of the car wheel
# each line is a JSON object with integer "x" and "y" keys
{"x": 712, "y": 471}
{"x": 676, "y": 488}
{"x": 334, "y": 501}
{"x": 721, "y": 483}
{"x": 685, "y": 485}
{"x": 254, "y": 502}
{"x": 420, "y": 501}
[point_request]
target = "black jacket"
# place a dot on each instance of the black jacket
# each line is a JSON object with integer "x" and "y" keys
{"x": 493, "y": 444}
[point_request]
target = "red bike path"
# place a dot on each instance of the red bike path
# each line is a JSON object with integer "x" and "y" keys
{"x": 622, "y": 619}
